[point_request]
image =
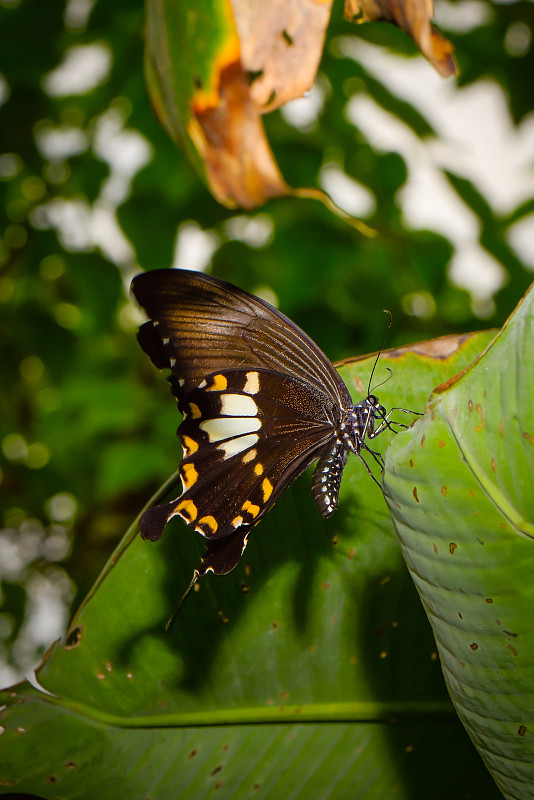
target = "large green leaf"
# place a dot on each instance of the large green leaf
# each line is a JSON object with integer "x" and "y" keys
{"x": 310, "y": 671}
{"x": 459, "y": 488}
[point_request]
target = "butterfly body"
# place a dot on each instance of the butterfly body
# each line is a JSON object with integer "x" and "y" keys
{"x": 260, "y": 403}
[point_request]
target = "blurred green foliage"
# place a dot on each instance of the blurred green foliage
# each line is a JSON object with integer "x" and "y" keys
{"x": 86, "y": 424}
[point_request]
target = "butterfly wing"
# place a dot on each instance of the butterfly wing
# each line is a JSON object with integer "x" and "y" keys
{"x": 199, "y": 325}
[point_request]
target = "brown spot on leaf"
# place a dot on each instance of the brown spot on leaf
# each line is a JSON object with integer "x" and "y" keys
{"x": 325, "y": 585}
{"x": 494, "y": 465}
{"x": 471, "y": 492}
{"x": 529, "y": 437}
{"x": 423, "y": 440}
{"x": 474, "y": 646}
{"x": 444, "y": 491}
{"x": 192, "y": 754}
{"x": 435, "y": 548}
{"x": 74, "y": 637}
{"x": 503, "y": 525}
{"x": 489, "y": 600}
{"x": 480, "y": 425}
{"x": 222, "y": 616}
{"x": 441, "y": 443}
{"x": 470, "y": 405}
{"x": 512, "y": 649}
{"x": 244, "y": 588}
{"x": 452, "y": 548}
{"x": 460, "y": 615}
{"x": 414, "y": 492}
{"x": 51, "y": 779}
{"x": 522, "y": 730}
{"x": 287, "y": 37}
{"x": 71, "y": 765}
{"x": 410, "y": 462}
{"x": 216, "y": 770}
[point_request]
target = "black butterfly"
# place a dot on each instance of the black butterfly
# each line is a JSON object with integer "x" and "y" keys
{"x": 260, "y": 403}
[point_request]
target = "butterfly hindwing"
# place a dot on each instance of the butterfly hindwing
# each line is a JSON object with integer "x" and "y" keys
{"x": 246, "y": 435}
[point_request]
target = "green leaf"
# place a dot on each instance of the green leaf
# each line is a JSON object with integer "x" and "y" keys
{"x": 309, "y": 671}
{"x": 459, "y": 487}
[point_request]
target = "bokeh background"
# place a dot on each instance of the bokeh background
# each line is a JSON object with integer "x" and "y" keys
{"x": 92, "y": 191}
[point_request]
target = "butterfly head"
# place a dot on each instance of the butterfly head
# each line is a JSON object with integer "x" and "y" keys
{"x": 360, "y": 422}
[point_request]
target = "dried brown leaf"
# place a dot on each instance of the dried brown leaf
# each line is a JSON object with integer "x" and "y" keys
{"x": 414, "y": 17}
{"x": 229, "y": 136}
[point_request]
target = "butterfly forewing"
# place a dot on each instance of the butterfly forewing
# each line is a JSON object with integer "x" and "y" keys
{"x": 205, "y": 325}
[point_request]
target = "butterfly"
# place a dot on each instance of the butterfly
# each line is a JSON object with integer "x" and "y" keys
{"x": 260, "y": 403}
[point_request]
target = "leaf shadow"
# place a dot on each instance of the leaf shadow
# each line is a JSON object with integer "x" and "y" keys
{"x": 292, "y": 532}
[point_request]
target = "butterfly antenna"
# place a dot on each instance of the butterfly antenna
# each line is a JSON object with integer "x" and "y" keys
{"x": 378, "y": 385}
{"x": 170, "y": 622}
{"x": 380, "y": 351}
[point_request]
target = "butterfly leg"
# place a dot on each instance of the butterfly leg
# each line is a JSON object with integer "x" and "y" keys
{"x": 387, "y": 424}
{"x": 377, "y": 457}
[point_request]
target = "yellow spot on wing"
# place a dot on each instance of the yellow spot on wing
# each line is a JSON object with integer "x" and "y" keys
{"x": 187, "y": 510}
{"x": 219, "y": 384}
{"x": 189, "y": 475}
{"x": 252, "y": 385}
{"x": 250, "y": 456}
{"x": 267, "y": 489}
{"x": 258, "y": 469}
{"x": 207, "y": 522}
{"x": 189, "y": 445}
{"x": 236, "y": 522}
{"x": 251, "y": 509}
{"x": 195, "y": 411}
